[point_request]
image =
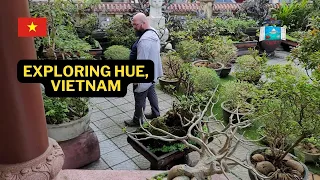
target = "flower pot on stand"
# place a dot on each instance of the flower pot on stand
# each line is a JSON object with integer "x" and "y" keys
{"x": 269, "y": 46}
{"x": 77, "y": 140}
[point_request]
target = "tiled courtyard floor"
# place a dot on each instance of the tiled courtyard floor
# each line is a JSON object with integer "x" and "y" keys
{"x": 108, "y": 120}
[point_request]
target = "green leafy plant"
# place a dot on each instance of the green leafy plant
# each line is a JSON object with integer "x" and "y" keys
{"x": 250, "y": 67}
{"x": 204, "y": 79}
{"x": 188, "y": 49}
{"x": 221, "y": 49}
{"x": 294, "y": 15}
{"x": 60, "y": 110}
{"x": 235, "y": 27}
{"x": 289, "y": 110}
{"x": 117, "y": 52}
{"x": 237, "y": 95}
{"x": 62, "y": 19}
{"x": 120, "y": 32}
{"x": 308, "y": 52}
{"x": 171, "y": 63}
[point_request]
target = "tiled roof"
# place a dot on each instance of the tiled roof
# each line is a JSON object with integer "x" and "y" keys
{"x": 124, "y": 7}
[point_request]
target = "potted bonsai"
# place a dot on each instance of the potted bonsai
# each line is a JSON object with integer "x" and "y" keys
{"x": 63, "y": 41}
{"x": 250, "y": 67}
{"x": 206, "y": 56}
{"x": 171, "y": 63}
{"x": 188, "y": 49}
{"x": 117, "y": 52}
{"x": 164, "y": 154}
{"x": 67, "y": 118}
{"x": 225, "y": 52}
{"x": 289, "y": 110}
{"x": 236, "y": 97}
{"x": 309, "y": 150}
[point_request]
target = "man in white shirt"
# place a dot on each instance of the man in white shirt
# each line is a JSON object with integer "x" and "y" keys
{"x": 147, "y": 47}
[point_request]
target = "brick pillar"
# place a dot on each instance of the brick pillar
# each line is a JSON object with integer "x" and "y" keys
{"x": 26, "y": 152}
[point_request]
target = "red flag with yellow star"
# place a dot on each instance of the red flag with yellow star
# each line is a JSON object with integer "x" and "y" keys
{"x": 32, "y": 27}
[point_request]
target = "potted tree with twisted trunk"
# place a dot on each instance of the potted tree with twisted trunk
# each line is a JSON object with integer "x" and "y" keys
{"x": 289, "y": 107}
{"x": 199, "y": 132}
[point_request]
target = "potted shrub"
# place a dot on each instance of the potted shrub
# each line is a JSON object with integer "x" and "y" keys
{"x": 188, "y": 49}
{"x": 171, "y": 63}
{"x": 235, "y": 97}
{"x": 63, "y": 41}
{"x": 206, "y": 56}
{"x": 225, "y": 52}
{"x": 67, "y": 118}
{"x": 117, "y": 52}
{"x": 197, "y": 79}
{"x": 288, "y": 110}
{"x": 308, "y": 151}
{"x": 250, "y": 67}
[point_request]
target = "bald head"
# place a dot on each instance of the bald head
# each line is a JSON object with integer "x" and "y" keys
{"x": 140, "y": 22}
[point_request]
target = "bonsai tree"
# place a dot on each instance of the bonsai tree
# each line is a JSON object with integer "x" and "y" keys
{"x": 197, "y": 79}
{"x": 289, "y": 110}
{"x": 188, "y": 49}
{"x": 197, "y": 138}
{"x": 250, "y": 67}
{"x": 117, "y": 52}
{"x": 62, "y": 17}
{"x": 171, "y": 63}
{"x": 115, "y": 31}
{"x": 236, "y": 97}
{"x": 223, "y": 50}
{"x": 217, "y": 52}
{"x": 308, "y": 52}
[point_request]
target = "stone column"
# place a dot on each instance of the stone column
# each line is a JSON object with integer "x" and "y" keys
{"x": 26, "y": 152}
{"x": 206, "y": 7}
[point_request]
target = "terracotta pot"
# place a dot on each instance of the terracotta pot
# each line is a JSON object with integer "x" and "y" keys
{"x": 206, "y": 63}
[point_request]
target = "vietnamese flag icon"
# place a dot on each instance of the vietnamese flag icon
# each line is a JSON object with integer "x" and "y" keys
{"x": 32, "y": 27}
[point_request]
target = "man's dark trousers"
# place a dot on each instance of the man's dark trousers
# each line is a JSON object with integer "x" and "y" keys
{"x": 140, "y": 102}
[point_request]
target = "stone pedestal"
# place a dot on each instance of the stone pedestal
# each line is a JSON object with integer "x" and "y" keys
{"x": 81, "y": 150}
{"x": 25, "y": 151}
{"x": 45, "y": 166}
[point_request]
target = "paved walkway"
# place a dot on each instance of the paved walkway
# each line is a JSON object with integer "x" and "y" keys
{"x": 116, "y": 154}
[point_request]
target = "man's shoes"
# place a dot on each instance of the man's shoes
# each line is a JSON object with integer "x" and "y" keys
{"x": 151, "y": 116}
